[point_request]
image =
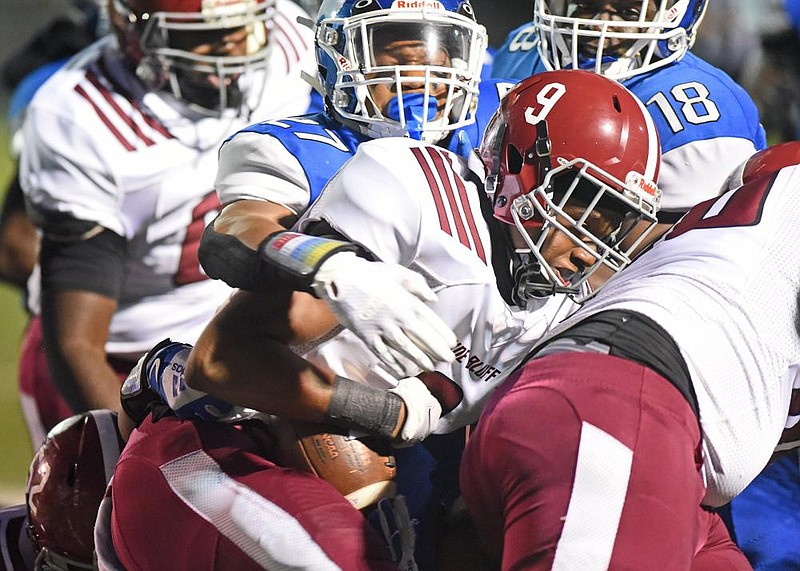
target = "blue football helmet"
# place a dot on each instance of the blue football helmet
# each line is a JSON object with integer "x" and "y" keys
{"x": 400, "y": 68}
{"x": 634, "y": 37}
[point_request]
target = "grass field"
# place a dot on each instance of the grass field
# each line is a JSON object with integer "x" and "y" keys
{"x": 15, "y": 448}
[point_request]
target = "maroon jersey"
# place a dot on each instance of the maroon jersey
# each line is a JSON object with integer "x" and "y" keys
{"x": 203, "y": 496}
{"x": 561, "y": 471}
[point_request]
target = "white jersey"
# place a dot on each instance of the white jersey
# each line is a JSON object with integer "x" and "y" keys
{"x": 725, "y": 284}
{"x": 412, "y": 204}
{"x": 99, "y": 148}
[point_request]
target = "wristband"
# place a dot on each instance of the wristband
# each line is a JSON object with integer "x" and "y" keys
{"x": 300, "y": 255}
{"x": 371, "y": 409}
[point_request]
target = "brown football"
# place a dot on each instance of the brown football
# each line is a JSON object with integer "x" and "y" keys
{"x": 362, "y": 469}
{"x": 445, "y": 390}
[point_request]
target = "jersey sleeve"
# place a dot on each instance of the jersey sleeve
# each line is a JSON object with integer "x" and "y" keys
{"x": 63, "y": 172}
{"x": 257, "y": 166}
{"x": 518, "y": 57}
{"x": 708, "y": 125}
{"x": 374, "y": 201}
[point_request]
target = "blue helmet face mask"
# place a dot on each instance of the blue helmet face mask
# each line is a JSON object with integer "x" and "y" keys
{"x": 616, "y": 38}
{"x": 400, "y": 68}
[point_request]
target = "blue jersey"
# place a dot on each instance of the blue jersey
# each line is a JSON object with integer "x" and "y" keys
{"x": 289, "y": 161}
{"x": 320, "y": 145}
{"x": 708, "y": 124}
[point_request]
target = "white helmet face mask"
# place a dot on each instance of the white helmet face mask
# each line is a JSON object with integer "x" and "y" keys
{"x": 583, "y": 188}
{"x": 426, "y": 62}
{"x": 637, "y": 37}
{"x": 214, "y": 84}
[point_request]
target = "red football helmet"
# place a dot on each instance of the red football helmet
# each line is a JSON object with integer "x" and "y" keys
{"x": 158, "y": 37}
{"x": 66, "y": 483}
{"x": 765, "y": 162}
{"x": 564, "y": 139}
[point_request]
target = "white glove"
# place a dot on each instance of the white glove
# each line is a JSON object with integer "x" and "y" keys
{"x": 422, "y": 411}
{"x": 384, "y": 305}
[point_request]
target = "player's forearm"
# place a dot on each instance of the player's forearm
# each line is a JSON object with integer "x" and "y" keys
{"x": 258, "y": 372}
{"x": 229, "y": 245}
{"x": 85, "y": 374}
{"x": 75, "y": 327}
{"x": 274, "y": 380}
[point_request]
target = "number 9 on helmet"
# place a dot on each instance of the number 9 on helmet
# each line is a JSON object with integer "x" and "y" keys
{"x": 563, "y": 147}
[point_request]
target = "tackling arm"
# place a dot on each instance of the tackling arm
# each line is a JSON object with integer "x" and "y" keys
{"x": 243, "y": 358}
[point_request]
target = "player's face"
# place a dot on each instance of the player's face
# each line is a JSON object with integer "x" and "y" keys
{"x": 204, "y": 88}
{"x": 416, "y": 52}
{"x": 567, "y": 258}
{"x": 616, "y": 11}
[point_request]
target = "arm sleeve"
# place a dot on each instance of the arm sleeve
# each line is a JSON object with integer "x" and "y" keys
{"x": 81, "y": 255}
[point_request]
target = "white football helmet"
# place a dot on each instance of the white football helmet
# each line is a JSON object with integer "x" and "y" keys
{"x": 634, "y": 37}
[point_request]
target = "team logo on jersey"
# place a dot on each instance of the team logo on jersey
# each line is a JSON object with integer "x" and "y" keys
{"x": 417, "y": 4}
{"x": 480, "y": 370}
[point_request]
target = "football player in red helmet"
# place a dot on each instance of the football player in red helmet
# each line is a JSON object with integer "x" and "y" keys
{"x": 119, "y": 177}
{"x": 550, "y": 180}
{"x": 665, "y": 405}
{"x": 428, "y": 214}
{"x": 66, "y": 483}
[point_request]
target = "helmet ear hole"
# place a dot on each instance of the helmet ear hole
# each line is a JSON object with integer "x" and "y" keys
{"x": 514, "y": 159}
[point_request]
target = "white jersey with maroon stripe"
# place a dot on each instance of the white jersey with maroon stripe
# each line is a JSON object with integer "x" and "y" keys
{"x": 725, "y": 284}
{"x": 101, "y": 149}
{"x": 412, "y": 204}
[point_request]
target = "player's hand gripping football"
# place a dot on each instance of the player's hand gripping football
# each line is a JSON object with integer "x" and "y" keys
{"x": 384, "y": 305}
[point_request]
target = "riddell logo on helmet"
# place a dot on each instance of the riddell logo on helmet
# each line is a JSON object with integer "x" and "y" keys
{"x": 671, "y": 14}
{"x": 646, "y": 186}
{"x": 344, "y": 63}
{"x": 411, "y": 4}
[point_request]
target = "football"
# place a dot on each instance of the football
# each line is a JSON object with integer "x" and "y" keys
{"x": 445, "y": 390}
{"x": 361, "y": 469}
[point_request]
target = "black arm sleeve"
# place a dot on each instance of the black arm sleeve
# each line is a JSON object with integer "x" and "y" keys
{"x": 224, "y": 257}
{"x": 80, "y": 255}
